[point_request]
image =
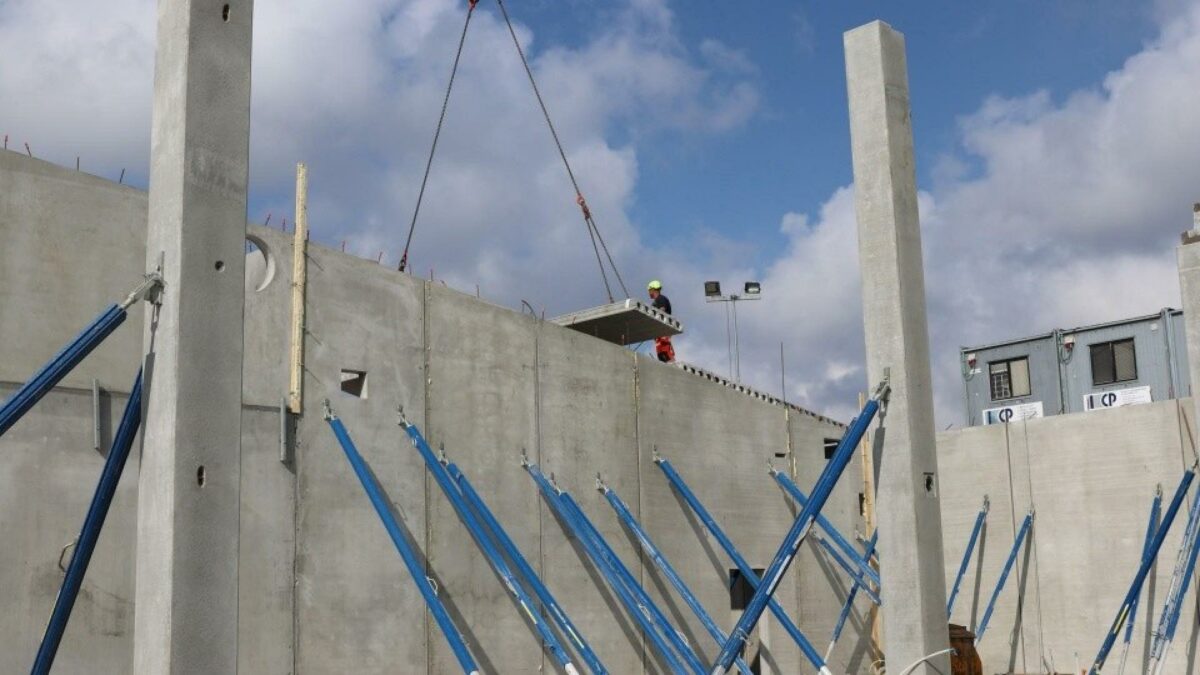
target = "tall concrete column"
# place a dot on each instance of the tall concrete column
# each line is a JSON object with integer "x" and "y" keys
{"x": 1188, "y": 256}
{"x": 189, "y": 488}
{"x": 897, "y": 339}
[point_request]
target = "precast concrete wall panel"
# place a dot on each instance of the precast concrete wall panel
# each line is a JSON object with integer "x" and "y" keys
{"x": 822, "y": 586}
{"x": 48, "y": 472}
{"x": 267, "y": 549}
{"x": 73, "y": 245}
{"x": 719, "y": 440}
{"x": 974, "y": 462}
{"x": 1019, "y": 624}
{"x": 267, "y": 342}
{"x": 1090, "y": 478}
{"x": 357, "y": 609}
{"x": 588, "y": 426}
{"x": 1104, "y": 462}
{"x": 481, "y": 406}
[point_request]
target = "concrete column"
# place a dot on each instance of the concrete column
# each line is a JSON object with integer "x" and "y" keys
{"x": 189, "y": 487}
{"x": 897, "y": 339}
{"x": 1188, "y": 256}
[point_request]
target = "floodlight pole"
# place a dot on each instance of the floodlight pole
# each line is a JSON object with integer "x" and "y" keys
{"x": 737, "y": 343}
{"x": 736, "y": 367}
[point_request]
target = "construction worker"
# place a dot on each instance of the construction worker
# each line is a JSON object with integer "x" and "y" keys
{"x": 662, "y": 345}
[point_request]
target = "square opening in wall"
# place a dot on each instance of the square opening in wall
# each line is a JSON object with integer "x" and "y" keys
{"x": 831, "y": 446}
{"x": 740, "y": 590}
{"x": 354, "y": 382}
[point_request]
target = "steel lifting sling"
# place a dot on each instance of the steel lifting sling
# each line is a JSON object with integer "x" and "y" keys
{"x": 415, "y": 567}
{"x": 1022, "y": 534}
{"x": 966, "y": 560}
{"x": 1151, "y": 529}
{"x": 1147, "y": 562}
{"x": 514, "y": 588}
{"x": 635, "y": 606}
{"x": 790, "y": 546}
{"x": 664, "y": 566}
{"x": 859, "y": 562}
{"x": 1185, "y": 565}
{"x": 63, "y": 362}
{"x": 566, "y": 627}
{"x": 93, "y": 523}
{"x": 747, "y": 572}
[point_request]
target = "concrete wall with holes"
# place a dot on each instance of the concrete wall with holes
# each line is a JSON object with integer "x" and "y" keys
{"x": 1090, "y": 479}
{"x": 322, "y": 590}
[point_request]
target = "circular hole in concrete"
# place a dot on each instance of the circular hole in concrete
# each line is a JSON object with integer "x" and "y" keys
{"x": 219, "y": 266}
{"x": 200, "y": 476}
{"x": 225, "y": 13}
{"x": 260, "y": 264}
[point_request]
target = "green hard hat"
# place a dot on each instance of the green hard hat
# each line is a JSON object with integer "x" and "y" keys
{"x": 655, "y": 285}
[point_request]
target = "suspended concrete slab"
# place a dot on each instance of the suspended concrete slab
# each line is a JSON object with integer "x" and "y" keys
{"x": 625, "y": 322}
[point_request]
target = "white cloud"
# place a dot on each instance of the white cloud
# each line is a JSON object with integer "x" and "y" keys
{"x": 1070, "y": 218}
{"x": 354, "y": 89}
{"x": 1055, "y": 210}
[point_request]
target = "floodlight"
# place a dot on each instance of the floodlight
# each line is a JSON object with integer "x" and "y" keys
{"x": 712, "y": 289}
{"x": 753, "y": 288}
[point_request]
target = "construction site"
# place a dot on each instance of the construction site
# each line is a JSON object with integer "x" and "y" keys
{"x": 225, "y": 448}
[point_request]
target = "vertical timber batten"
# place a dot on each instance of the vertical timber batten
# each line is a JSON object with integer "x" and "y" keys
{"x": 897, "y": 341}
{"x": 299, "y": 285}
{"x": 186, "y": 590}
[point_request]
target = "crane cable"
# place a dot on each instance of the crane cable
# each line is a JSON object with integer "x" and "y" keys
{"x": 437, "y": 134}
{"x": 593, "y": 230}
{"x": 597, "y": 239}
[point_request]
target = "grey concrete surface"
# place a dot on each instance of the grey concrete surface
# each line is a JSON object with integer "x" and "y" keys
{"x": 321, "y": 589}
{"x": 1091, "y": 478}
{"x": 822, "y": 587}
{"x": 47, "y": 472}
{"x": 897, "y": 340}
{"x": 266, "y": 550}
{"x": 356, "y": 607}
{"x": 190, "y": 478}
{"x": 48, "y": 215}
{"x": 720, "y": 441}
{"x": 481, "y": 406}
{"x": 587, "y": 421}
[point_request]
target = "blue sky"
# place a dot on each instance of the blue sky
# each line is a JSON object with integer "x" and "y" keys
{"x": 794, "y": 152}
{"x": 1057, "y": 148}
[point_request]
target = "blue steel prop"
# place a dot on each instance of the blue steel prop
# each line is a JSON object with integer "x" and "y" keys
{"x": 1135, "y": 588}
{"x": 849, "y": 604}
{"x": 63, "y": 362}
{"x": 415, "y": 568}
{"x": 859, "y": 561}
{"x": 633, "y": 605}
{"x": 93, "y": 523}
{"x": 673, "y": 636}
{"x": 966, "y": 560}
{"x": 479, "y": 534}
{"x": 566, "y": 627}
{"x": 849, "y": 569}
{"x": 661, "y": 562}
{"x": 1151, "y": 529}
{"x": 790, "y": 546}
{"x": 748, "y": 574}
{"x": 1022, "y": 534}
{"x": 1185, "y": 566}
